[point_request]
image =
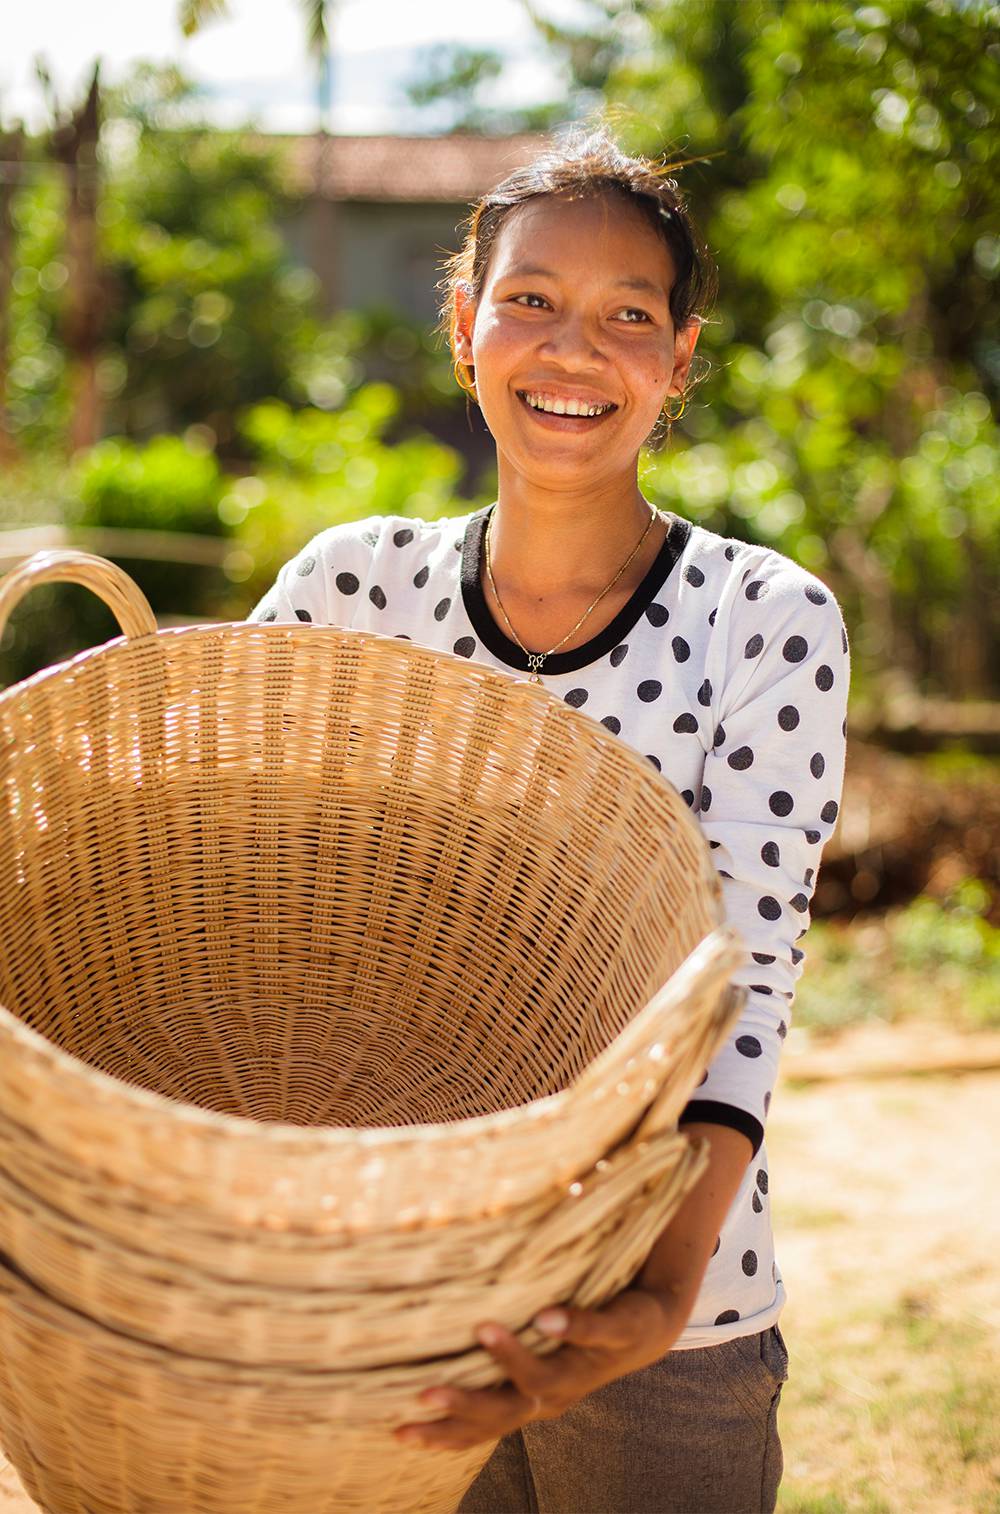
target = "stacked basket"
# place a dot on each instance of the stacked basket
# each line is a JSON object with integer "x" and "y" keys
{"x": 351, "y": 992}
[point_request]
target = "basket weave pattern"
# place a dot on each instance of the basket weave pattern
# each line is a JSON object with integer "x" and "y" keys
{"x": 349, "y": 993}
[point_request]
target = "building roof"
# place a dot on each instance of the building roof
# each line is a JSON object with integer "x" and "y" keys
{"x": 451, "y": 169}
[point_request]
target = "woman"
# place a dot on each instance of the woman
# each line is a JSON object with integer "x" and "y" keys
{"x": 571, "y": 309}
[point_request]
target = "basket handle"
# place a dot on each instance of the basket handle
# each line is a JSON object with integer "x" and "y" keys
{"x": 123, "y": 597}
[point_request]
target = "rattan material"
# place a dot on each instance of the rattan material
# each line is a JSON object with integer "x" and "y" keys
{"x": 328, "y": 964}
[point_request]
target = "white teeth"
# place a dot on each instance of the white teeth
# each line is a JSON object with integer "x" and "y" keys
{"x": 564, "y": 407}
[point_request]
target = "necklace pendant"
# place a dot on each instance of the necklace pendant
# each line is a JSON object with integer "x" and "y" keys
{"x": 535, "y": 660}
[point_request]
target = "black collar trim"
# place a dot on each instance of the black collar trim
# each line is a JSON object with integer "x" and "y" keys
{"x": 508, "y": 651}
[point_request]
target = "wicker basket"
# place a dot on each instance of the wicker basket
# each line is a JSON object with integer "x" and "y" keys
{"x": 350, "y": 987}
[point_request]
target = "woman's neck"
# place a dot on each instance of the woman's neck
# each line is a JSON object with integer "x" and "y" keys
{"x": 547, "y": 547}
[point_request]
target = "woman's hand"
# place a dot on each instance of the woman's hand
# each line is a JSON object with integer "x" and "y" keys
{"x": 636, "y": 1328}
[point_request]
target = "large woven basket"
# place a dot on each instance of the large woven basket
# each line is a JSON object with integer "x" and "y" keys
{"x": 349, "y": 994}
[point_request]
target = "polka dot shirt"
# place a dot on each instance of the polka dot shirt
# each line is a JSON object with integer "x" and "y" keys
{"x": 728, "y": 669}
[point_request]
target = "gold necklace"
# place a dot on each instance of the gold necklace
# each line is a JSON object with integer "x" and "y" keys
{"x": 535, "y": 659}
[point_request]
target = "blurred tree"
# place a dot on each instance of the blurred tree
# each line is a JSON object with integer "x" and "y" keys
{"x": 12, "y": 143}
{"x": 853, "y": 215}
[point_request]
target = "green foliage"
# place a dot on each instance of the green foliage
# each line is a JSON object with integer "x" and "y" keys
{"x": 37, "y": 394}
{"x": 167, "y": 485}
{"x": 930, "y": 960}
{"x": 317, "y": 468}
{"x": 848, "y": 160}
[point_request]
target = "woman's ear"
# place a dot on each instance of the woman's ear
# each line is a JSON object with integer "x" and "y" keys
{"x": 684, "y": 344}
{"x": 465, "y": 317}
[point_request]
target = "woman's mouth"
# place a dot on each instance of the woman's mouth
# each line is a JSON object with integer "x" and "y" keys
{"x": 553, "y": 421}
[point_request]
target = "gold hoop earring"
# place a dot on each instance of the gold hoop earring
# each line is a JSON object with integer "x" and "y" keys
{"x": 666, "y": 414}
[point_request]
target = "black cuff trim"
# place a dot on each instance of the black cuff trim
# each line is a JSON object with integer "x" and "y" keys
{"x": 724, "y": 1114}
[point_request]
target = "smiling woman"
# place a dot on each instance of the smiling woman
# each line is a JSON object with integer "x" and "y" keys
{"x": 573, "y": 308}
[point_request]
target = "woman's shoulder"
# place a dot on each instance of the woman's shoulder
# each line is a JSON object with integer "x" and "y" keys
{"x": 756, "y": 574}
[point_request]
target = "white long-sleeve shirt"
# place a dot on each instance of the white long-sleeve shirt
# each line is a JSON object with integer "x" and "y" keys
{"x": 728, "y": 668}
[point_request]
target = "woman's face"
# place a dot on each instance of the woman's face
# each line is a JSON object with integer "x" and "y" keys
{"x": 575, "y": 307}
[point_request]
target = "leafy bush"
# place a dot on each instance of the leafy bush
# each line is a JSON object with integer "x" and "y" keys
{"x": 166, "y": 485}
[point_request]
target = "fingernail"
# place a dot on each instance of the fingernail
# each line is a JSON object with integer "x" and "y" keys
{"x": 552, "y": 1321}
{"x": 489, "y": 1335}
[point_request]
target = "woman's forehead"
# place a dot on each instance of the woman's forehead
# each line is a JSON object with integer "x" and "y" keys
{"x": 586, "y": 230}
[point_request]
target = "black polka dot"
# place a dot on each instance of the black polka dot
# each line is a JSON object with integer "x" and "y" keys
{"x": 769, "y": 908}
{"x": 764, "y": 958}
{"x": 797, "y": 955}
{"x": 730, "y": 552}
{"x": 715, "y": 845}
{"x": 817, "y": 764}
{"x": 718, "y": 1243}
{"x": 402, "y": 536}
{"x": 618, "y": 654}
{"x": 761, "y": 1179}
{"x": 756, "y": 590}
{"x": 657, "y": 615}
{"x": 782, "y": 1031}
{"x": 748, "y": 1261}
{"x": 613, "y": 724}
{"x": 685, "y": 725}
{"x": 767, "y": 1101}
{"x": 458, "y": 544}
{"x": 843, "y": 638}
{"x": 655, "y": 761}
{"x": 755, "y": 1203}
{"x": 681, "y": 649}
{"x": 754, "y": 646}
{"x": 711, "y": 618}
{"x": 720, "y": 736}
{"x": 799, "y": 902}
{"x": 829, "y": 812}
{"x": 795, "y": 648}
{"x": 770, "y": 854}
{"x": 741, "y": 759}
{"x": 420, "y": 578}
{"x": 843, "y": 726}
{"x": 703, "y": 1079}
{"x": 465, "y": 646}
{"x": 347, "y": 583}
{"x": 706, "y": 798}
{"x": 377, "y": 597}
{"x": 441, "y": 609}
{"x": 812, "y": 837}
{"x": 705, "y": 693}
{"x": 788, "y": 717}
{"x": 727, "y": 1317}
{"x": 303, "y": 614}
{"x": 748, "y": 1046}
{"x": 649, "y": 689}
{"x": 808, "y": 877}
{"x": 824, "y": 678}
{"x": 724, "y": 874}
{"x": 371, "y": 537}
{"x": 402, "y": 636}
{"x": 688, "y": 798}
{"x": 780, "y": 803}
{"x": 815, "y": 595}
{"x": 269, "y": 615}
{"x": 761, "y": 988}
{"x": 576, "y": 697}
{"x": 305, "y": 567}
{"x": 694, "y": 576}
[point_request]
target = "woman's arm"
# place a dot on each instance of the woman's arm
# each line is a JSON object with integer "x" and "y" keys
{"x": 676, "y": 1265}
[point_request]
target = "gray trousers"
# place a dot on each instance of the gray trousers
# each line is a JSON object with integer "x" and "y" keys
{"x": 693, "y": 1433}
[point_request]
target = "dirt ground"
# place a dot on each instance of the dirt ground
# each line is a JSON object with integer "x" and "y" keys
{"x": 887, "y": 1232}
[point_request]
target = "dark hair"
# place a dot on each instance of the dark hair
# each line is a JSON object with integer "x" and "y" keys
{"x": 585, "y": 163}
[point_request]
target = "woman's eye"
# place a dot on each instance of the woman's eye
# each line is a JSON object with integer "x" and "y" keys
{"x": 641, "y": 313}
{"x": 517, "y": 297}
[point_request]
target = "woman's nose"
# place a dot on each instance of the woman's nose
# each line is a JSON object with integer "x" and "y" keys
{"x": 573, "y": 343}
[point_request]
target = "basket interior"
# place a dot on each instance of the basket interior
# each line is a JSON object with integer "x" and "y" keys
{"x": 378, "y": 890}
